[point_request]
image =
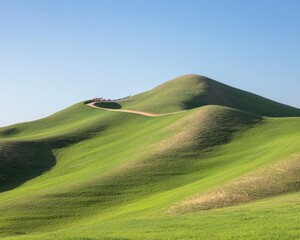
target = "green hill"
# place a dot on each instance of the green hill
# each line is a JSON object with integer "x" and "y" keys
{"x": 191, "y": 91}
{"x": 87, "y": 173}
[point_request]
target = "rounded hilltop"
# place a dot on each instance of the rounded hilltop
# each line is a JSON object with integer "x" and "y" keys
{"x": 110, "y": 170}
{"x": 192, "y": 91}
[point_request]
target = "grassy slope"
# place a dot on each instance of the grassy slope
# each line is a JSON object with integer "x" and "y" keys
{"x": 190, "y": 91}
{"x": 274, "y": 218}
{"x": 116, "y": 174}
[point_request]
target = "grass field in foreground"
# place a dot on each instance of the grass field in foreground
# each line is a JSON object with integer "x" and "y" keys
{"x": 116, "y": 175}
{"x": 275, "y": 218}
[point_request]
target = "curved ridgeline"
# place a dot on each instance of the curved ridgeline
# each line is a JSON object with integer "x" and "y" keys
{"x": 192, "y": 91}
{"x": 89, "y": 173}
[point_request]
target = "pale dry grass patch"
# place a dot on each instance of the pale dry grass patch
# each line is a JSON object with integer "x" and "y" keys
{"x": 186, "y": 131}
{"x": 279, "y": 178}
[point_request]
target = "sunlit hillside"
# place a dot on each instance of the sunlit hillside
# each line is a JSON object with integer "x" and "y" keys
{"x": 215, "y": 162}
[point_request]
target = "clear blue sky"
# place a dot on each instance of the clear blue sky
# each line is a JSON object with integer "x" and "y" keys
{"x": 55, "y": 53}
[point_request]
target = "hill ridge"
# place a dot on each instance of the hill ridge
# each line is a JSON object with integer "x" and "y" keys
{"x": 191, "y": 91}
{"x": 85, "y": 173}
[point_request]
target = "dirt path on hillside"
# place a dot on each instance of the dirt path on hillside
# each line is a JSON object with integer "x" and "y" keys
{"x": 127, "y": 111}
{"x": 130, "y": 111}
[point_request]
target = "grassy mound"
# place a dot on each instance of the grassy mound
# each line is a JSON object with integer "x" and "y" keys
{"x": 111, "y": 105}
{"x": 191, "y": 91}
{"x": 87, "y": 173}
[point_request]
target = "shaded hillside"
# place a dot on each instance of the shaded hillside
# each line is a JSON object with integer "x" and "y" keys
{"x": 191, "y": 91}
{"x": 23, "y": 160}
{"x": 89, "y": 173}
